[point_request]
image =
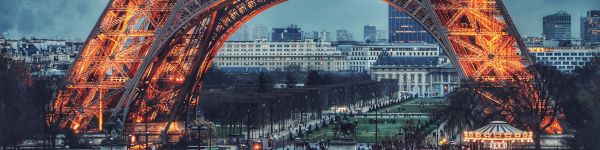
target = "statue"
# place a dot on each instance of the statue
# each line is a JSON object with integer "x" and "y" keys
{"x": 344, "y": 127}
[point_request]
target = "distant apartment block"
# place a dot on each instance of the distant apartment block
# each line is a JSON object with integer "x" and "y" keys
{"x": 564, "y": 59}
{"x": 44, "y": 57}
{"x": 262, "y": 55}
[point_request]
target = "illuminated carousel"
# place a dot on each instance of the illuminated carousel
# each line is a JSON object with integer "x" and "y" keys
{"x": 497, "y": 135}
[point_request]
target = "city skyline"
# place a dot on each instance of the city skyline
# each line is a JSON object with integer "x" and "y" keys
{"x": 73, "y": 19}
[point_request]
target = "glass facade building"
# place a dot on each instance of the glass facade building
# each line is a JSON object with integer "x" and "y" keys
{"x": 370, "y": 33}
{"x": 404, "y": 29}
{"x": 590, "y": 28}
{"x": 289, "y": 34}
{"x": 557, "y": 26}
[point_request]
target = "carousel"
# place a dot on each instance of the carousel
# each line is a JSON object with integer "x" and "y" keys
{"x": 497, "y": 135}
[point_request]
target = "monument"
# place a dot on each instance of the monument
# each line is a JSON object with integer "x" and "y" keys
{"x": 344, "y": 134}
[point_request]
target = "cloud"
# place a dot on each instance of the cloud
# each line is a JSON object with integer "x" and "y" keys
{"x": 75, "y": 18}
{"x": 49, "y": 18}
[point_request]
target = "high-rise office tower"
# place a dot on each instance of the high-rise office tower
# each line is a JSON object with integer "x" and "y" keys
{"x": 260, "y": 32}
{"x": 370, "y": 33}
{"x": 325, "y": 36}
{"x": 382, "y": 36}
{"x": 288, "y": 34}
{"x": 404, "y": 29}
{"x": 557, "y": 26}
{"x": 343, "y": 35}
{"x": 241, "y": 34}
{"x": 590, "y": 28}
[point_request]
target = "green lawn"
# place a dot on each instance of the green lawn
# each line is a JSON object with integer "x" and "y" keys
{"x": 415, "y": 106}
{"x": 387, "y": 127}
{"x": 365, "y": 130}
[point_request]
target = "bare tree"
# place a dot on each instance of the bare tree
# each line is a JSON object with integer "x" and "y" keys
{"x": 16, "y": 113}
{"x": 468, "y": 109}
{"x": 534, "y": 102}
{"x": 581, "y": 109}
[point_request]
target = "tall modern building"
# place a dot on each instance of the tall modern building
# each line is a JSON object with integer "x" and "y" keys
{"x": 404, "y": 29}
{"x": 290, "y": 34}
{"x": 241, "y": 34}
{"x": 557, "y": 26}
{"x": 343, "y": 35}
{"x": 316, "y": 35}
{"x": 260, "y": 32}
{"x": 590, "y": 28}
{"x": 382, "y": 36}
{"x": 370, "y": 33}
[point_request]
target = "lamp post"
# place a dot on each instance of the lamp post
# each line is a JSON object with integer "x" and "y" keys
{"x": 210, "y": 135}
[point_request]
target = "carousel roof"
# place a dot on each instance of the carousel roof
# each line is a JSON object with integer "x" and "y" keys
{"x": 498, "y": 127}
{"x": 498, "y": 131}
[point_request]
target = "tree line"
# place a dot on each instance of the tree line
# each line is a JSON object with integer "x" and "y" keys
{"x": 535, "y": 104}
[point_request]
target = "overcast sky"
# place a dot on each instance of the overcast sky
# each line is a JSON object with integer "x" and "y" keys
{"x": 75, "y": 18}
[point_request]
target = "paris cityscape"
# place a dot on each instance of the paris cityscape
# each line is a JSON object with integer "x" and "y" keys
{"x": 299, "y": 74}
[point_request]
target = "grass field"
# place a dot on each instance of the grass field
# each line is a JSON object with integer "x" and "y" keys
{"x": 415, "y": 106}
{"x": 388, "y": 126}
{"x": 365, "y": 131}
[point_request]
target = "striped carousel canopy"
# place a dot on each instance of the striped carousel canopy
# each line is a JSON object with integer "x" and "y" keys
{"x": 498, "y": 131}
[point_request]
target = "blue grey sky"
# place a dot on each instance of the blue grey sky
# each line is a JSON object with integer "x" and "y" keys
{"x": 75, "y": 18}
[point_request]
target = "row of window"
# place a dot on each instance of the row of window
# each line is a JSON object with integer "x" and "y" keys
{"x": 276, "y": 58}
{"x": 268, "y": 45}
{"x": 563, "y": 58}
{"x": 405, "y": 77}
{"x": 565, "y": 54}
{"x": 277, "y": 63}
{"x": 277, "y": 54}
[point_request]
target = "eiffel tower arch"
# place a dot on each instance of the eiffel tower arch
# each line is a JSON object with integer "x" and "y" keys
{"x": 145, "y": 60}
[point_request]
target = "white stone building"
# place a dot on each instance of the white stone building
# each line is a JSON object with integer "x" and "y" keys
{"x": 564, "y": 59}
{"x": 423, "y": 76}
{"x": 270, "y": 56}
{"x": 362, "y": 57}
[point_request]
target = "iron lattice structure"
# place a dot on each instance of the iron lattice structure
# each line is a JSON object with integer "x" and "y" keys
{"x": 145, "y": 59}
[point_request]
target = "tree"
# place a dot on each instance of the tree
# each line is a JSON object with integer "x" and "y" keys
{"x": 43, "y": 92}
{"x": 16, "y": 111}
{"x": 290, "y": 81}
{"x": 313, "y": 78}
{"x": 263, "y": 82}
{"x": 581, "y": 109}
{"x": 534, "y": 103}
{"x": 468, "y": 109}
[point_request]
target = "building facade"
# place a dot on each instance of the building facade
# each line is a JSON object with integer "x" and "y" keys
{"x": 316, "y": 35}
{"x": 370, "y": 33}
{"x": 557, "y": 26}
{"x": 362, "y": 57}
{"x": 343, "y": 35}
{"x": 43, "y": 57}
{"x": 271, "y": 56}
{"x": 291, "y": 33}
{"x": 422, "y": 76}
{"x": 242, "y": 34}
{"x": 382, "y": 36}
{"x": 404, "y": 29}
{"x": 590, "y": 29}
{"x": 260, "y": 32}
{"x": 564, "y": 59}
